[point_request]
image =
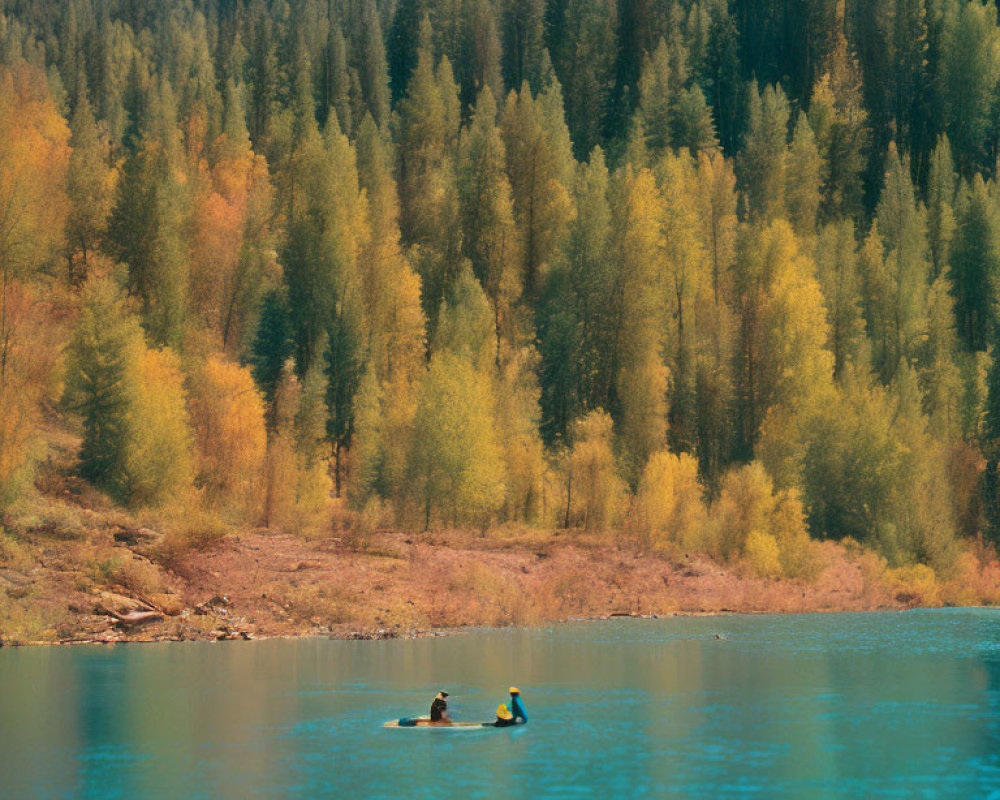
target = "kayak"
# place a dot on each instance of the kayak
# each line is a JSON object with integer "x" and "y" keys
{"x": 425, "y": 722}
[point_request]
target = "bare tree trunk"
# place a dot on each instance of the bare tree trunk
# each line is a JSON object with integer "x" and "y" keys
{"x": 4, "y": 330}
{"x": 336, "y": 468}
{"x": 269, "y": 483}
{"x": 569, "y": 496}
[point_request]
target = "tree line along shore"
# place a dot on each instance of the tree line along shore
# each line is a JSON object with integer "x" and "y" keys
{"x": 683, "y": 279}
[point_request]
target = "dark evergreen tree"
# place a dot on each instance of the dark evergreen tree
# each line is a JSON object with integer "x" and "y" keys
{"x": 106, "y": 345}
{"x": 722, "y": 78}
{"x": 523, "y": 43}
{"x": 991, "y": 447}
{"x": 262, "y": 75}
{"x": 975, "y": 265}
{"x": 344, "y": 369}
{"x": 403, "y": 40}
{"x": 272, "y": 345}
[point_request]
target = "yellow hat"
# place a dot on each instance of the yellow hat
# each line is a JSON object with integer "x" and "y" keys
{"x": 503, "y": 713}
{"x": 514, "y": 690}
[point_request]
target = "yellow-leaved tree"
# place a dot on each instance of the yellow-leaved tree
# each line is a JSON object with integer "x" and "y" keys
{"x": 34, "y": 156}
{"x": 642, "y": 376}
{"x": 687, "y": 277}
{"x": 767, "y": 528}
{"x": 668, "y": 507}
{"x": 227, "y": 416}
{"x": 783, "y": 365}
{"x": 137, "y": 435}
{"x": 595, "y": 494}
{"x": 455, "y": 468}
{"x": 390, "y": 289}
{"x": 158, "y": 462}
{"x": 31, "y": 362}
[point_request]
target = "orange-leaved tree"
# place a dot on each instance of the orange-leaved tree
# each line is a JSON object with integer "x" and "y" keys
{"x": 34, "y": 153}
{"x": 227, "y": 416}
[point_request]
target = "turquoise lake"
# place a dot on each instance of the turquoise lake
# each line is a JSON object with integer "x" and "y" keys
{"x": 845, "y": 705}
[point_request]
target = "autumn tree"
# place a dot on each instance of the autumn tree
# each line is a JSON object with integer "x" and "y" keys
{"x": 327, "y": 226}
{"x": 866, "y": 467}
{"x": 427, "y": 120}
{"x": 158, "y": 463}
{"x": 390, "y": 289}
{"x": 763, "y": 525}
{"x": 942, "y": 189}
{"x": 281, "y": 463}
{"x": 90, "y": 190}
{"x": 716, "y": 204}
{"x": 837, "y": 272}
{"x": 668, "y": 508}
{"x": 839, "y": 121}
{"x": 490, "y": 239}
{"x": 594, "y": 490}
{"x": 383, "y": 425}
{"x": 28, "y": 382}
{"x": 540, "y": 168}
{"x": 481, "y": 52}
{"x": 34, "y": 157}
{"x": 372, "y": 69}
{"x": 454, "y": 467}
{"x": 234, "y": 238}
{"x": 641, "y": 382}
{"x": 901, "y": 226}
{"x": 136, "y": 442}
{"x": 687, "y": 280}
{"x": 227, "y": 420}
{"x": 763, "y": 162}
{"x": 802, "y": 179}
{"x": 782, "y": 360}
{"x": 656, "y": 94}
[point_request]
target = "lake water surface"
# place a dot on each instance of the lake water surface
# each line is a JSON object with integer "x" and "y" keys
{"x": 852, "y": 705}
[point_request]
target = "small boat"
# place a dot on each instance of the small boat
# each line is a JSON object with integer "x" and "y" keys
{"x": 425, "y": 722}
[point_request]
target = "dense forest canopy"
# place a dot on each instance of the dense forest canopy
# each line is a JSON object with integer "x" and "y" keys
{"x": 722, "y": 274}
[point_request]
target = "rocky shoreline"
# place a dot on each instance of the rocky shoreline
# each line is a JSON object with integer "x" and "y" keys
{"x": 106, "y": 585}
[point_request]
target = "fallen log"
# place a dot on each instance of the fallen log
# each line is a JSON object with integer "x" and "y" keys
{"x": 131, "y": 618}
{"x": 135, "y": 537}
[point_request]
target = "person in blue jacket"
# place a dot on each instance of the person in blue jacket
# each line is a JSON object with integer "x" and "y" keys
{"x": 516, "y": 715}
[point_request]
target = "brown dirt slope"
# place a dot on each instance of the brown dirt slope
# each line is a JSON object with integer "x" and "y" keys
{"x": 73, "y": 568}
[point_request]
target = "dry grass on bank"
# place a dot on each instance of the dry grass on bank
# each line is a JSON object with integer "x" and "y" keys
{"x": 60, "y": 565}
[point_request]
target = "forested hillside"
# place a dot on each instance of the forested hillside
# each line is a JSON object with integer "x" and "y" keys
{"x": 717, "y": 276}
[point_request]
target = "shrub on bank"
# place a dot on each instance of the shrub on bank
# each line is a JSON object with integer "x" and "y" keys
{"x": 916, "y": 584}
{"x": 184, "y": 530}
{"x": 752, "y": 521}
{"x": 595, "y": 494}
{"x": 668, "y": 507}
{"x": 762, "y": 555}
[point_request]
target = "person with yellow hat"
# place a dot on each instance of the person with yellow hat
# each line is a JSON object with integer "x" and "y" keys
{"x": 517, "y": 706}
{"x": 515, "y": 715}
